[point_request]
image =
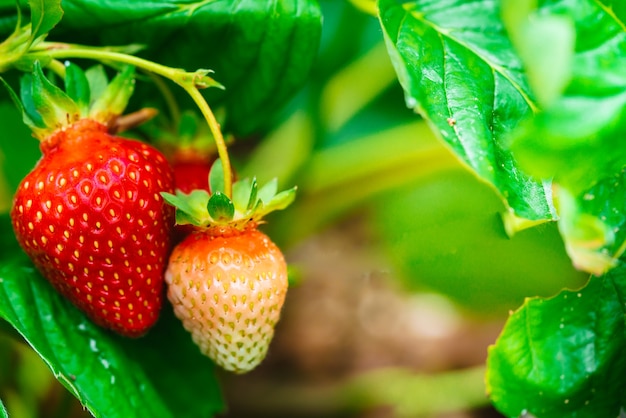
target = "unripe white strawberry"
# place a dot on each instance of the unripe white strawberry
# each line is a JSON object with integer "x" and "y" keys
{"x": 227, "y": 281}
{"x": 228, "y": 292}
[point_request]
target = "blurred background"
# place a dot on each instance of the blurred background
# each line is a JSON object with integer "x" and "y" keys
{"x": 402, "y": 273}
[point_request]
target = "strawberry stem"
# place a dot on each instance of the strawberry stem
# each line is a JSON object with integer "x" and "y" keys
{"x": 57, "y": 67}
{"x": 217, "y": 134}
{"x": 190, "y": 82}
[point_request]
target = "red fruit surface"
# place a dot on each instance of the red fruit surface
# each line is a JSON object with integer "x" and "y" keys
{"x": 228, "y": 288}
{"x": 91, "y": 218}
{"x": 191, "y": 175}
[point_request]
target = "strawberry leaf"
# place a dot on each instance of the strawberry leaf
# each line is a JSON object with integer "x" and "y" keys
{"x": 467, "y": 80}
{"x": 112, "y": 376}
{"x": 3, "y": 411}
{"x": 563, "y": 356}
{"x": 221, "y": 208}
{"x": 261, "y": 51}
{"x": 547, "y": 63}
{"x": 576, "y": 139}
{"x": 45, "y": 15}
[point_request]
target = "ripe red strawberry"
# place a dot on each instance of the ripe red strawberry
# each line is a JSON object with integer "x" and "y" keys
{"x": 227, "y": 281}
{"x": 91, "y": 218}
{"x": 191, "y": 175}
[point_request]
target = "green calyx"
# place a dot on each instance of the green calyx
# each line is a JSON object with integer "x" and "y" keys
{"x": 88, "y": 94}
{"x": 249, "y": 203}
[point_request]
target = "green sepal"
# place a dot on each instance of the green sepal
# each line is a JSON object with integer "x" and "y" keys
{"x": 46, "y": 107}
{"x": 242, "y": 192}
{"x": 216, "y": 177}
{"x": 55, "y": 108}
{"x": 29, "y": 113}
{"x": 221, "y": 208}
{"x": 249, "y": 203}
{"x": 191, "y": 209}
{"x": 254, "y": 193}
{"x": 201, "y": 80}
{"x": 77, "y": 87}
{"x": 268, "y": 191}
{"x": 280, "y": 201}
{"x": 115, "y": 97}
{"x": 98, "y": 81}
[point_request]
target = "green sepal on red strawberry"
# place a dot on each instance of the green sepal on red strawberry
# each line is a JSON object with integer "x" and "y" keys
{"x": 47, "y": 108}
{"x": 227, "y": 281}
{"x": 249, "y": 202}
{"x": 90, "y": 214}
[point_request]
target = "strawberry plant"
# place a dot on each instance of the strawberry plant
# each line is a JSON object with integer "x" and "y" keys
{"x": 467, "y": 151}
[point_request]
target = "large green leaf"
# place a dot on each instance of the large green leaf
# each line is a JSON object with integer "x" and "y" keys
{"x": 577, "y": 140}
{"x": 459, "y": 70}
{"x": 565, "y": 356}
{"x": 160, "y": 375}
{"x": 44, "y": 14}
{"x": 261, "y": 51}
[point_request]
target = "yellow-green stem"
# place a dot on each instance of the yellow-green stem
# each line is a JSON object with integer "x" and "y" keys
{"x": 57, "y": 67}
{"x": 184, "y": 79}
{"x": 217, "y": 134}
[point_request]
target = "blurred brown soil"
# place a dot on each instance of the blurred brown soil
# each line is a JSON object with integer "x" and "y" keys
{"x": 349, "y": 315}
